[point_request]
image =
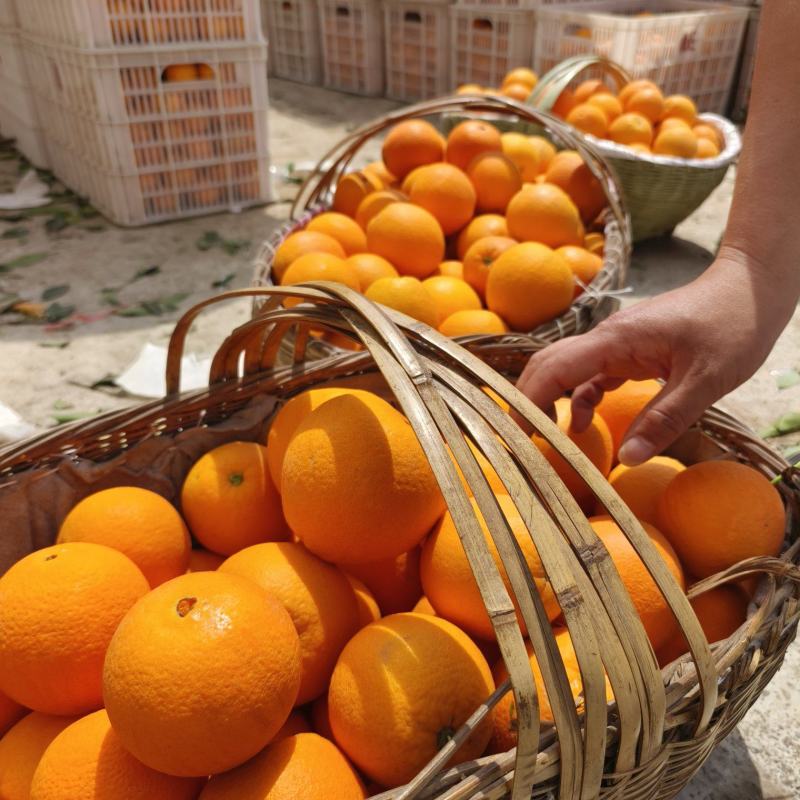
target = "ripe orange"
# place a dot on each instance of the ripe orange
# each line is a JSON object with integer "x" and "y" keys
{"x": 319, "y": 267}
{"x": 201, "y": 560}
{"x": 705, "y": 131}
{"x": 631, "y": 128}
{"x": 424, "y": 606}
{"x": 672, "y": 122}
{"x": 467, "y": 323}
{"x": 407, "y": 295}
{"x": 478, "y": 228}
{"x": 706, "y": 149}
{"x": 345, "y": 230}
{"x": 588, "y": 88}
{"x": 516, "y": 91}
{"x": 22, "y": 748}
{"x": 529, "y": 284}
{"x": 356, "y": 483}
{"x": 317, "y": 596}
{"x": 409, "y": 237}
{"x": 394, "y": 582}
{"x": 564, "y": 104}
{"x": 640, "y": 148}
{"x": 378, "y": 169}
{"x": 10, "y": 713}
{"x": 650, "y": 605}
{"x": 607, "y": 103}
{"x": 352, "y": 189}
{"x": 620, "y": 407}
{"x": 137, "y": 522}
{"x": 523, "y": 153}
{"x": 641, "y": 487}
{"x": 368, "y": 268}
{"x": 595, "y": 243}
{"x": 589, "y": 119}
{"x": 209, "y": 647}
{"x": 570, "y": 172}
{"x": 447, "y": 193}
{"x": 447, "y": 578}
{"x": 367, "y": 605}
{"x": 676, "y": 141}
{"x": 302, "y": 766}
{"x": 320, "y": 718}
{"x": 454, "y": 269}
{"x": 634, "y": 86}
{"x": 480, "y": 257}
{"x": 374, "y": 203}
{"x": 230, "y": 501}
{"x": 391, "y": 721}
{"x": 523, "y": 75}
{"x": 450, "y": 295}
{"x": 496, "y": 180}
{"x": 545, "y": 151}
{"x": 59, "y": 608}
{"x": 411, "y": 144}
{"x": 543, "y": 212}
{"x": 679, "y": 105}
{"x": 648, "y": 102}
{"x": 469, "y": 139}
{"x": 584, "y": 265}
{"x": 300, "y": 243}
{"x": 179, "y": 73}
{"x": 718, "y": 513}
{"x": 87, "y": 760}
{"x": 469, "y": 88}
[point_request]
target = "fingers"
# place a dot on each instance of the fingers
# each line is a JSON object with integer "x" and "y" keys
{"x": 587, "y": 397}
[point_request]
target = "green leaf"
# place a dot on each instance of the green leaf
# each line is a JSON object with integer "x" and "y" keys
{"x": 72, "y": 416}
{"x": 54, "y": 292}
{"x": 233, "y": 246}
{"x": 769, "y": 432}
{"x": 789, "y": 423}
{"x": 14, "y": 233}
{"x": 55, "y": 312}
{"x": 224, "y": 283}
{"x": 146, "y": 272}
{"x": 56, "y": 223}
{"x": 208, "y": 240}
{"x": 786, "y": 378}
{"x": 27, "y": 260}
{"x": 56, "y": 344}
{"x": 108, "y": 297}
{"x": 172, "y": 302}
{"x": 62, "y": 405}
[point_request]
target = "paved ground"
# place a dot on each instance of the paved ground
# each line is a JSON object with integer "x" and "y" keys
{"x": 48, "y": 373}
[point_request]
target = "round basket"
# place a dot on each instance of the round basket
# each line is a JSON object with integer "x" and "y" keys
{"x": 659, "y": 191}
{"x": 644, "y": 745}
{"x": 596, "y": 303}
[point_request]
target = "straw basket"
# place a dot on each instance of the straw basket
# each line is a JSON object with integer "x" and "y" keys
{"x": 595, "y": 304}
{"x": 661, "y": 726}
{"x": 659, "y": 191}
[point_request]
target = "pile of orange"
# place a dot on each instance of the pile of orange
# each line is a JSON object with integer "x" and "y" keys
{"x": 269, "y": 633}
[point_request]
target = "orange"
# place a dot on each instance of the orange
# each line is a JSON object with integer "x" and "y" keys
{"x": 594, "y": 442}
{"x": 368, "y": 268}
{"x": 300, "y": 243}
{"x": 209, "y": 647}
{"x": 584, "y": 265}
{"x": 455, "y": 269}
{"x": 87, "y": 761}
{"x": 640, "y": 148}
{"x": 320, "y": 267}
{"x": 523, "y": 75}
{"x": 595, "y": 243}
{"x": 59, "y": 608}
{"x": 516, "y": 91}
{"x": 450, "y": 295}
{"x": 367, "y": 605}
{"x": 544, "y": 212}
{"x": 303, "y": 766}
{"x": 607, "y": 103}
{"x": 631, "y": 128}
{"x": 673, "y": 122}
{"x": 676, "y": 141}
{"x": 374, "y": 203}
{"x": 705, "y": 131}
{"x": 634, "y": 86}
{"x": 523, "y": 153}
{"x": 180, "y": 72}
{"x": 389, "y": 715}
{"x": 648, "y": 102}
{"x": 447, "y": 578}
{"x": 351, "y": 190}
{"x": 320, "y": 718}
{"x": 679, "y": 105}
{"x": 706, "y": 149}
{"x": 529, "y": 284}
{"x": 468, "y": 323}
{"x": 411, "y": 144}
{"x": 469, "y": 139}
{"x": 589, "y": 119}
{"x": 447, "y": 193}
{"x": 424, "y": 606}
{"x": 496, "y": 180}
{"x": 407, "y": 236}
{"x": 409, "y": 179}
{"x": 345, "y": 230}
{"x": 469, "y": 88}
{"x": 407, "y": 295}
{"x": 587, "y": 88}
{"x": 564, "y": 104}
{"x": 317, "y": 596}
{"x": 394, "y": 582}
{"x": 10, "y": 713}
{"x": 657, "y": 619}
{"x": 545, "y": 151}
{"x": 478, "y": 228}
{"x": 718, "y": 513}
{"x": 378, "y": 169}
{"x": 356, "y": 483}
{"x": 230, "y": 501}
{"x": 22, "y": 748}
{"x": 641, "y": 487}
{"x": 201, "y": 560}
{"x": 570, "y": 172}
{"x": 620, "y": 407}
{"x": 480, "y": 257}
{"x": 137, "y": 522}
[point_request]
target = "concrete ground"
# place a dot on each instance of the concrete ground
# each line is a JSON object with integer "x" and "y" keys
{"x": 49, "y": 371}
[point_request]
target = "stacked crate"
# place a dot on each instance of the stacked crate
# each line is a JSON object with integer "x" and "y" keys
{"x": 293, "y": 31}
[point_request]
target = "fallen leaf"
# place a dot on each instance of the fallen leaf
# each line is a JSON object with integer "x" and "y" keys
{"x": 58, "y": 344}
{"x": 61, "y": 405}
{"x": 208, "y": 240}
{"x": 224, "y": 283}
{"x": 785, "y": 378}
{"x": 27, "y": 260}
{"x": 788, "y": 423}
{"x": 233, "y": 246}
{"x": 146, "y": 272}
{"x": 14, "y": 233}
{"x": 55, "y": 312}
{"x": 73, "y": 416}
{"x": 57, "y": 223}
{"x": 54, "y": 292}
{"x": 28, "y": 309}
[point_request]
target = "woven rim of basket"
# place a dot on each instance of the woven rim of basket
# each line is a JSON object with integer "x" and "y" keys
{"x": 439, "y": 387}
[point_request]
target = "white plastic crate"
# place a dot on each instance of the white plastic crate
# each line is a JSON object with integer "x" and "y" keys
{"x": 295, "y": 47}
{"x": 486, "y": 43}
{"x": 686, "y": 47}
{"x": 133, "y": 23}
{"x": 352, "y": 45}
{"x": 417, "y": 34}
{"x": 145, "y": 149}
{"x": 744, "y": 81}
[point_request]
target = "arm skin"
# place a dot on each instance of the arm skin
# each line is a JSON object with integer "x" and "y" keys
{"x": 706, "y": 338}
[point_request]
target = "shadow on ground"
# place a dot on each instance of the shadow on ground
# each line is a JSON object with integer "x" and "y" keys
{"x": 665, "y": 263}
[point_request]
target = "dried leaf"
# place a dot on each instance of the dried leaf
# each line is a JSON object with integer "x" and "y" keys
{"x": 27, "y": 260}
{"x": 55, "y": 312}
{"x": 28, "y": 309}
{"x": 54, "y": 292}
{"x": 14, "y": 233}
{"x": 224, "y": 283}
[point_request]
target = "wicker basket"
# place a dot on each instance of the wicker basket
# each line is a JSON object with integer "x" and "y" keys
{"x": 595, "y": 304}
{"x": 661, "y": 726}
{"x": 659, "y": 191}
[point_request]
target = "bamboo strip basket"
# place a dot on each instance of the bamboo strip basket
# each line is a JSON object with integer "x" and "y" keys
{"x": 659, "y": 191}
{"x": 662, "y": 724}
{"x": 595, "y": 304}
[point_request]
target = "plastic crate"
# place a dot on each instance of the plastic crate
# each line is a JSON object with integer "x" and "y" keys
{"x": 133, "y": 23}
{"x": 294, "y": 41}
{"x": 352, "y": 45}
{"x": 744, "y": 81}
{"x": 145, "y": 149}
{"x": 486, "y": 43}
{"x": 685, "y": 47}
